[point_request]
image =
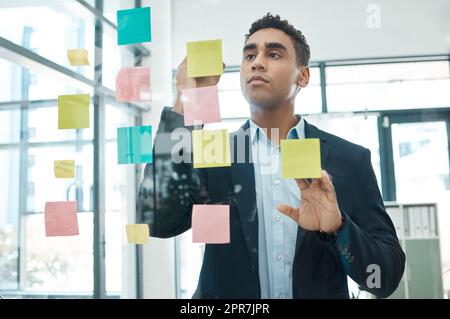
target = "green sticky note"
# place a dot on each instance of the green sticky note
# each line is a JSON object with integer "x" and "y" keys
{"x": 300, "y": 158}
{"x": 73, "y": 111}
{"x": 211, "y": 148}
{"x": 204, "y": 58}
{"x": 134, "y": 26}
{"x": 137, "y": 233}
{"x": 134, "y": 144}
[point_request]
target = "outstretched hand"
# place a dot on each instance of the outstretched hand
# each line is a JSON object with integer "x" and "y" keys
{"x": 319, "y": 209}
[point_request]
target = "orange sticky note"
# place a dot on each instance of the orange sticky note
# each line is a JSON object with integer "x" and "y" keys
{"x": 211, "y": 224}
{"x": 61, "y": 218}
{"x": 133, "y": 84}
{"x": 300, "y": 158}
{"x": 201, "y": 105}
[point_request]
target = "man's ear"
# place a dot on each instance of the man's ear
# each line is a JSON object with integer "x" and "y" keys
{"x": 303, "y": 76}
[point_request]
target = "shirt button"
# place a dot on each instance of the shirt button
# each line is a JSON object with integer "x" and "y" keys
{"x": 280, "y": 257}
{"x": 277, "y": 181}
{"x": 277, "y": 217}
{"x": 280, "y": 295}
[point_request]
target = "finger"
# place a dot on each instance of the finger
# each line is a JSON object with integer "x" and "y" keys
{"x": 289, "y": 211}
{"x": 302, "y": 183}
{"x": 327, "y": 185}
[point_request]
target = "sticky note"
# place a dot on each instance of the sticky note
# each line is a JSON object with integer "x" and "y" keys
{"x": 137, "y": 233}
{"x": 134, "y": 26}
{"x": 73, "y": 111}
{"x": 300, "y": 158}
{"x": 133, "y": 84}
{"x": 204, "y": 58}
{"x": 211, "y": 148}
{"x": 61, "y": 218}
{"x": 134, "y": 144}
{"x": 78, "y": 57}
{"x": 64, "y": 168}
{"x": 211, "y": 224}
{"x": 201, "y": 105}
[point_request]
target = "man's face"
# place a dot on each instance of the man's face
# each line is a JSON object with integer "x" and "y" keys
{"x": 270, "y": 75}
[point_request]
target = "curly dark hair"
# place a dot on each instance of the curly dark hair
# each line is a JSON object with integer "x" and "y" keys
{"x": 302, "y": 50}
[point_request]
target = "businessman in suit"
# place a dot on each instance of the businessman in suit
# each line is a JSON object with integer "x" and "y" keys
{"x": 289, "y": 238}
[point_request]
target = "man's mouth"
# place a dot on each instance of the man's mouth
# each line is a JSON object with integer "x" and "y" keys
{"x": 257, "y": 79}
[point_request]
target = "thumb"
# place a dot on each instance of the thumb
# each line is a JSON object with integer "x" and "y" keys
{"x": 289, "y": 211}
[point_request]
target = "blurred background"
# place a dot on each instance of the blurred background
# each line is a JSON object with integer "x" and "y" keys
{"x": 380, "y": 77}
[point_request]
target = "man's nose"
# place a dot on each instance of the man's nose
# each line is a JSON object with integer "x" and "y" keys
{"x": 259, "y": 63}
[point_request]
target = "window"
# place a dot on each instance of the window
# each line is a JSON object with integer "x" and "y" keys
{"x": 390, "y": 86}
{"x": 32, "y": 264}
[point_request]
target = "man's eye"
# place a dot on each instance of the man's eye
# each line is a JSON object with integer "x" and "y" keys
{"x": 249, "y": 57}
{"x": 274, "y": 55}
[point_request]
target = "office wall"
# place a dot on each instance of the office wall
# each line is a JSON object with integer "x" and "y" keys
{"x": 334, "y": 29}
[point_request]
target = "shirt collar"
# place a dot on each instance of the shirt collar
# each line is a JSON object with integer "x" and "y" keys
{"x": 296, "y": 132}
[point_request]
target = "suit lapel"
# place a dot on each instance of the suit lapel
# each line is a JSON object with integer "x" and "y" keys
{"x": 313, "y": 132}
{"x": 243, "y": 176}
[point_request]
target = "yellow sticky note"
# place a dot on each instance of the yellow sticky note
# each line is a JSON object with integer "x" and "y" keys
{"x": 78, "y": 57}
{"x": 300, "y": 158}
{"x": 204, "y": 58}
{"x": 211, "y": 148}
{"x": 64, "y": 169}
{"x": 73, "y": 111}
{"x": 137, "y": 233}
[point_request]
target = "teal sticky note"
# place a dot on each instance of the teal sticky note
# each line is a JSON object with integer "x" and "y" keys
{"x": 134, "y": 144}
{"x": 134, "y": 26}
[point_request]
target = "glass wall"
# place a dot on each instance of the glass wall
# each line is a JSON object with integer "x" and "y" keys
{"x": 370, "y": 105}
{"x": 31, "y": 264}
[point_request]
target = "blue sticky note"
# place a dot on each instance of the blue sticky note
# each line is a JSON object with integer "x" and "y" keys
{"x": 134, "y": 26}
{"x": 134, "y": 144}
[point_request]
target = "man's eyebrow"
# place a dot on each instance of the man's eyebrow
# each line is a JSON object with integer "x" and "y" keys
{"x": 250, "y": 46}
{"x": 275, "y": 45}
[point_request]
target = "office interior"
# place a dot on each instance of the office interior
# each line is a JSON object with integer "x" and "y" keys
{"x": 380, "y": 78}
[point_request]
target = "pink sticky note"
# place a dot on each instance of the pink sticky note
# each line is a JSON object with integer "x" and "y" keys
{"x": 61, "y": 219}
{"x": 133, "y": 84}
{"x": 211, "y": 224}
{"x": 201, "y": 105}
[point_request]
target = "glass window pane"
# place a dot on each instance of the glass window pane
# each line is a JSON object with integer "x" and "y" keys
{"x": 66, "y": 23}
{"x": 43, "y": 126}
{"x": 190, "y": 262}
{"x": 9, "y": 212}
{"x": 11, "y": 73}
{"x": 58, "y": 264}
{"x": 388, "y": 86}
{"x": 43, "y": 186}
{"x": 9, "y": 126}
{"x": 120, "y": 192}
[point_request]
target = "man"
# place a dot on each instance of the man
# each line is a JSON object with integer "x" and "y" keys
{"x": 329, "y": 228}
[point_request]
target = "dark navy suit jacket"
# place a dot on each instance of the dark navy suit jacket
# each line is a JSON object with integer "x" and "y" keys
{"x": 321, "y": 263}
